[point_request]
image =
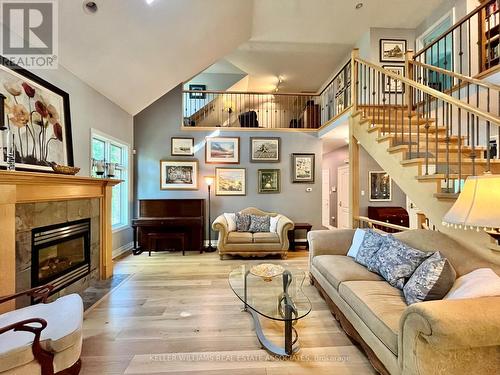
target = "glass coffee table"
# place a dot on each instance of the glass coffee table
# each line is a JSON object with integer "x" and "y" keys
{"x": 278, "y": 298}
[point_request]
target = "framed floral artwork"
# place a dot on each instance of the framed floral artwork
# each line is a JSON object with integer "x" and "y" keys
{"x": 222, "y": 150}
{"x": 303, "y": 168}
{"x": 178, "y": 175}
{"x": 37, "y": 114}
{"x": 230, "y": 181}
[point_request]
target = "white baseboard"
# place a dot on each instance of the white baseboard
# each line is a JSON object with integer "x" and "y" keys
{"x": 122, "y": 249}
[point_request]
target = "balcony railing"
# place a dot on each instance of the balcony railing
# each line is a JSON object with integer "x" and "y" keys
{"x": 257, "y": 110}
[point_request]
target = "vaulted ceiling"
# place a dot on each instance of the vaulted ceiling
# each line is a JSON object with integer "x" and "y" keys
{"x": 133, "y": 53}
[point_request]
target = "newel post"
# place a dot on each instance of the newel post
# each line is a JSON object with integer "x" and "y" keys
{"x": 409, "y": 74}
{"x": 354, "y": 79}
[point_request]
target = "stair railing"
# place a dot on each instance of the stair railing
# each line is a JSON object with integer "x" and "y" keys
{"x": 428, "y": 124}
{"x": 469, "y": 47}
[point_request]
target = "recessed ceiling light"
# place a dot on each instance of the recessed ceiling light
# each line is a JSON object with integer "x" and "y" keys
{"x": 149, "y": 2}
{"x": 359, "y": 5}
{"x": 90, "y": 7}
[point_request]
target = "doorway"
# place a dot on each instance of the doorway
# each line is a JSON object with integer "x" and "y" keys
{"x": 325, "y": 198}
{"x": 343, "y": 204}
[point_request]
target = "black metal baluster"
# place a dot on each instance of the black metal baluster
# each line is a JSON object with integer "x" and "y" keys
{"x": 428, "y": 104}
{"x": 488, "y": 130}
{"x": 473, "y": 148}
{"x": 459, "y": 141}
{"x": 388, "y": 86}
{"x": 447, "y": 143}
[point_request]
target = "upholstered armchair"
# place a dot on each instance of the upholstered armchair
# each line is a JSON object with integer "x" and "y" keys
{"x": 253, "y": 244}
{"x": 42, "y": 339}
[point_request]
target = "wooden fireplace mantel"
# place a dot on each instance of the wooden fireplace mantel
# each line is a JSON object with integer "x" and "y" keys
{"x": 29, "y": 187}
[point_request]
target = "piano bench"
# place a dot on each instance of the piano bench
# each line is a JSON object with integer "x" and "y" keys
{"x": 153, "y": 239}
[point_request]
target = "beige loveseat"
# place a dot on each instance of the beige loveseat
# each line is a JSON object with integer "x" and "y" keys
{"x": 253, "y": 244}
{"x": 434, "y": 337}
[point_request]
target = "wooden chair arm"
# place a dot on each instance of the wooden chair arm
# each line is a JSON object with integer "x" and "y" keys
{"x": 43, "y": 357}
{"x": 41, "y": 292}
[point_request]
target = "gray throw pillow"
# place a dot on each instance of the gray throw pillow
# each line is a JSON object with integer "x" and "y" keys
{"x": 369, "y": 247}
{"x": 260, "y": 224}
{"x": 432, "y": 280}
{"x": 242, "y": 222}
{"x": 396, "y": 261}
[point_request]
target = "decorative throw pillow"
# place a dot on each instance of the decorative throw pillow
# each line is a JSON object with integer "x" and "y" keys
{"x": 483, "y": 282}
{"x": 231, "y": 221}
{"x": 274, "y": 223}
{"x": 259, "y": 223}
{"x": 396, "y": 261}
{"x": 357, "y": 240}
{"x": 430, "y": 281}
{"x": 242, "y": 222}
{"x": 370, "y": 245}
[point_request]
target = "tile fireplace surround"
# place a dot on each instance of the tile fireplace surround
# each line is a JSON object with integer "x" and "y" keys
{"x": 29, "y": 200}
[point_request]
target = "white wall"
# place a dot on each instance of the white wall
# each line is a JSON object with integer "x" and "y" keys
{"x": 89, "y": 109}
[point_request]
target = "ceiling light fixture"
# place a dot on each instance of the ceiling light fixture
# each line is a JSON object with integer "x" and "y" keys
{"x": 359, "y": 5}
{"x": 90, "y": 7}
{"x": 149, "y": 2}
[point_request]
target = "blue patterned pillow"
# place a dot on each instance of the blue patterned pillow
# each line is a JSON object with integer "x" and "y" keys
{"x": 260, "y": 224}
{"x": 432, "y": 280}
{"x": 369, "y": 247}
{"x": 396, "y": 261}
{"x": 242, "y": 222}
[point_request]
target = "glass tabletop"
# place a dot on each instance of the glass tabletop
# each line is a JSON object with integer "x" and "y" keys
{"x": 263, "y": 295}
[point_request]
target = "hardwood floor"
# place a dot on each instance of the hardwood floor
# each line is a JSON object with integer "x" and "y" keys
{"x": 178, "y": 315}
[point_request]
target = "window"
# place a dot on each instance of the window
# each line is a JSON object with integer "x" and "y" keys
{"x": 111, "y": 150}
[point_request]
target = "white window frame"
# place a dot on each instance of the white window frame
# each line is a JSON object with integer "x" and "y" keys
{"x": 124, "y": 168}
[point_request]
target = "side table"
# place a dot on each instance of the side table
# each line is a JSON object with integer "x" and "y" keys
{"x": 291, "y": 234}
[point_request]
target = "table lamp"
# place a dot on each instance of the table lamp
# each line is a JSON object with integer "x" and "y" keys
{"x": 477, "y": 207}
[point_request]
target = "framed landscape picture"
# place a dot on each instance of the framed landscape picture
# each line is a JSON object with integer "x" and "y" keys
{"x": 37, "y": 113}
{"x": 391, "y": 85}
{"x": 197, "y": 95}
{"x": 265, "y": 150}
{"x": 222, "y": 150}
{"x": 230, "y": 181}
{"x": 181, "y": 146}
{"x": 269, "y": 181}
{"x": 392, "y": 50}
{"x": 303, "y": 168}
{"x": 380, "y": 186}
{"x": 178, "y": 175}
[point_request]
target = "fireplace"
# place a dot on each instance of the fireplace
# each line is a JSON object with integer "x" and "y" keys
{"x": 60, "y": 254}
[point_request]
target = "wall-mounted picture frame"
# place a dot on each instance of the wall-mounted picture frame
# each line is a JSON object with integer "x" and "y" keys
{"x": 392, "y": 50}
{"x": 340, "y": 81}
{"x": 265, "y": 149}
{"x": 182, "y": 146}
{"x": 38, "y": 115}
{"x": 222, "y": 150}
{"x": 179, "y": 175}
{"x": 380, "y": 186}
{"x": 269, "y": 181}
{"x": 197, "y": 95}
{"x": 303, "y": 168}
{"x": 230, "y": 181}
{"x": 391, "y": 85}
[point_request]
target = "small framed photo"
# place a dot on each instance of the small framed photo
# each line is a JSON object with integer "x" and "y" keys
{"x": 230, "y": 181}
{"x": 269, "y": 181}
{"x": 391, "y": 85}
{"x": 340, "y": 81}
{"x": 265, "y": 150}
{"x": 392, "y": 50}
{"x": 197, "y": 95}
{"x": 222, "y": 150}
{"x": 380, "y": 186}
{"x": 178, "y": 175}
{"x": 303, "y": 168}
{"x": 181, "y": 146}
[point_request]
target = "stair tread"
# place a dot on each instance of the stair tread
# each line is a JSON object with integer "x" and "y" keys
{"x": 464, "y": 161}
{"x": 441, "y": 176}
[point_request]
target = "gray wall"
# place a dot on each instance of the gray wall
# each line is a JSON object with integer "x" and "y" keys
{"x": 155, "y": 125}
{"x": 89, "y": 109}
{"x": 335, "y": 159}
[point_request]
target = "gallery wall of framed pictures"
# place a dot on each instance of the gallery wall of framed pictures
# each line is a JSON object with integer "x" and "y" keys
{"x": 183, "y": 174}
{"x": 393, "y": 51}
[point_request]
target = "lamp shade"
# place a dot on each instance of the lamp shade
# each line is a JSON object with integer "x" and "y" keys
{"x": 478, "y": 205}
{"x": 209, "y": 180}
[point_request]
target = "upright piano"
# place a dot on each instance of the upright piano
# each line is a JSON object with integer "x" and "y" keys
{"x": 169, "y": 224}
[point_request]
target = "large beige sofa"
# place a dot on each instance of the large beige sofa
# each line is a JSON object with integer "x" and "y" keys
{"x": 253, "y": 244}
{"x": 434, "y": 337}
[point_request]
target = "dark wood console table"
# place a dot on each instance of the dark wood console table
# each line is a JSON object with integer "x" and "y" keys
{"x": 291, "y": 234}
